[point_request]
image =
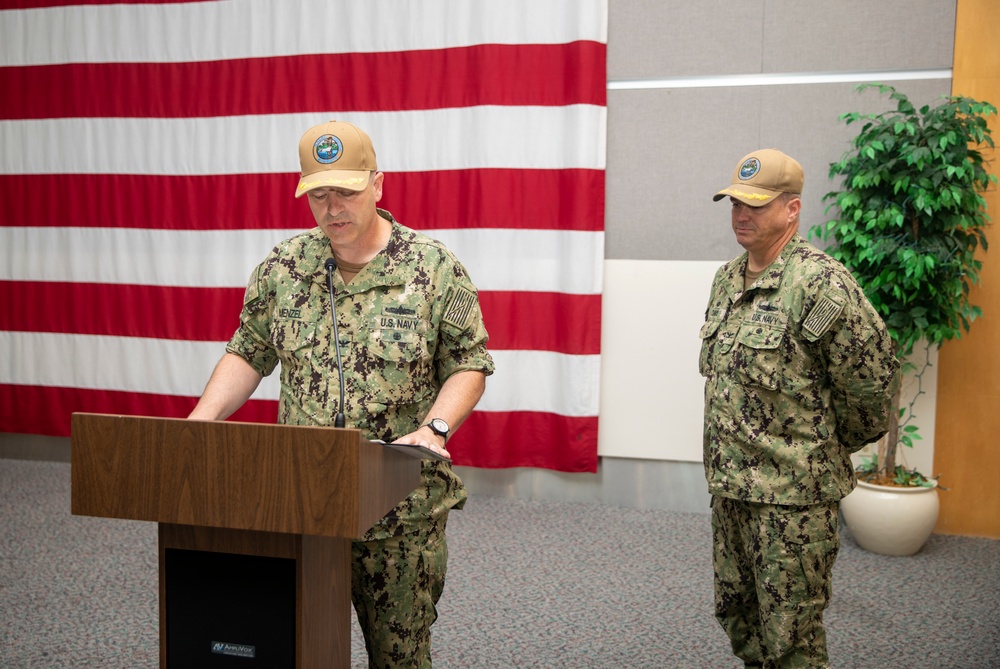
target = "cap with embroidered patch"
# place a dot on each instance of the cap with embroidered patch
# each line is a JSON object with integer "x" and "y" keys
{"x": 335, "y": 154}
{"x": 761, "y": 175}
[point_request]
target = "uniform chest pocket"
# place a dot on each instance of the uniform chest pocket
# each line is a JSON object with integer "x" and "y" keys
{"x": 397, "y": 346}
{"x": 395, "y": 366}
{"x": 757, "y": 356}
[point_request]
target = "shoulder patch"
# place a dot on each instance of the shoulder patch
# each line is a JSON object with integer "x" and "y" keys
{"x": 821, "y": 316}
{"x": 459, "y": 307}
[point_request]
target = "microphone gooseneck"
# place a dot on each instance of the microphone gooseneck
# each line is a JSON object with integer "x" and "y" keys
{"x": 331, "y": 266}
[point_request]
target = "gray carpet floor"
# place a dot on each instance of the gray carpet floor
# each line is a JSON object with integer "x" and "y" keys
{"x": 530, "y": 584}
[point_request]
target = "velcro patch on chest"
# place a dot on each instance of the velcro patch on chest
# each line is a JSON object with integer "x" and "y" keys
{"x": 715, "y": 313}
{"x": 459, "y": 307}
{"x": 821, "y": 316}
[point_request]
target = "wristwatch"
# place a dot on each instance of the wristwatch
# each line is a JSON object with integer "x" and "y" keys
{"x": 439, "y": 427}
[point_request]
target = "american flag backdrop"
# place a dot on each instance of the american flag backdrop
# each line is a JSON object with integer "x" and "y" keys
{"x": 148, "y": 160}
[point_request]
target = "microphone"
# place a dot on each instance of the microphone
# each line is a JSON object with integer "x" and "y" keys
{"x": 331, "y": 266}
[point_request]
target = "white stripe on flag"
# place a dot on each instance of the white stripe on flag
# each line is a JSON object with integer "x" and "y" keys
{"x": 205, "y": 31}
{"x": 524, "y": 381}
{"x": 558, "y": 261}
{"x": 568, "y": 385}
{"x": 450, "y": 139}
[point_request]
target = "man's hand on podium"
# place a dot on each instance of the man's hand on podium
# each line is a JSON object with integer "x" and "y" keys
{"x": 426, "y": 438}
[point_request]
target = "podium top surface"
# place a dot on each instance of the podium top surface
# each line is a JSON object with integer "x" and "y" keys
{"x": 248, "y": 476}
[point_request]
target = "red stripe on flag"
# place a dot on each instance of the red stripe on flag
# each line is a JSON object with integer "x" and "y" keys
{"x": 569, "y": 199}
{"x": 121, "y": 310}
{"x": 36, "y": 4}
{"x": 536, "y": 435}
{"x": 48, "y": 410}
{"x": 490, "y": 74}
{"x": 565, "y": 199}
{"x": 523, "y": 321}
{"x": 516, "y": 320}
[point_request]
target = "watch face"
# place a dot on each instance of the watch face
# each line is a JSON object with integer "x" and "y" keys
{"x": 439, "y": 426}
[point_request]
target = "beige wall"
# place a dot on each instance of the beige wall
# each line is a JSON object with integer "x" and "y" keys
{"x": 968, "y": 411}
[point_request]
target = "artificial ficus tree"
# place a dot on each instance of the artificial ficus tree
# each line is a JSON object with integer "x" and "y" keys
{"x": 910, "y": 218}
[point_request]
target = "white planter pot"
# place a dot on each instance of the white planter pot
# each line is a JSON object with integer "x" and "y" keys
{"x": 890, "y": 520}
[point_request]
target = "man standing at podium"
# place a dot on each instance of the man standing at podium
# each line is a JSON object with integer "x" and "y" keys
{"x": 412, "y": 344}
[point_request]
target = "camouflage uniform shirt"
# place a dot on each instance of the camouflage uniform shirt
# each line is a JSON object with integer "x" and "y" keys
{"x": 799, "y": 373}
{"x": 407, "y": 321}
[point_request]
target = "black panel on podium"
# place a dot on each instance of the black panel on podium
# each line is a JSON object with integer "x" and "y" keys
{"x": 229, "y": 610}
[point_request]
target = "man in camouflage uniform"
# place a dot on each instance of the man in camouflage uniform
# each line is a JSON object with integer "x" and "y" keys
{"x": 799, "y": 373}
{"x": 414, "y": 356}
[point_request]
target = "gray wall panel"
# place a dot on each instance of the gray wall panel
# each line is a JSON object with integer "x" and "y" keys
{"x": 854, "y": 35}
{"x": 666, "y": 151}
{"x": 652, "y": 39}
{"x": 649, "y": 39}
{"x": 670, "y": 150}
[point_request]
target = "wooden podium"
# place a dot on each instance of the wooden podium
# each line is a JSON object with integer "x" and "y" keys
{"x": 251, "y": 495}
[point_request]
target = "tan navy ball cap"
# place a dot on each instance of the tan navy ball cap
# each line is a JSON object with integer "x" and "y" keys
{"x": 336, "y": 154}
{"x": 761, "y": 175}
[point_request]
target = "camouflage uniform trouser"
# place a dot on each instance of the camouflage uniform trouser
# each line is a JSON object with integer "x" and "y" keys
{"x": 395, "y": 585}
{"x": 773, "y": 568}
